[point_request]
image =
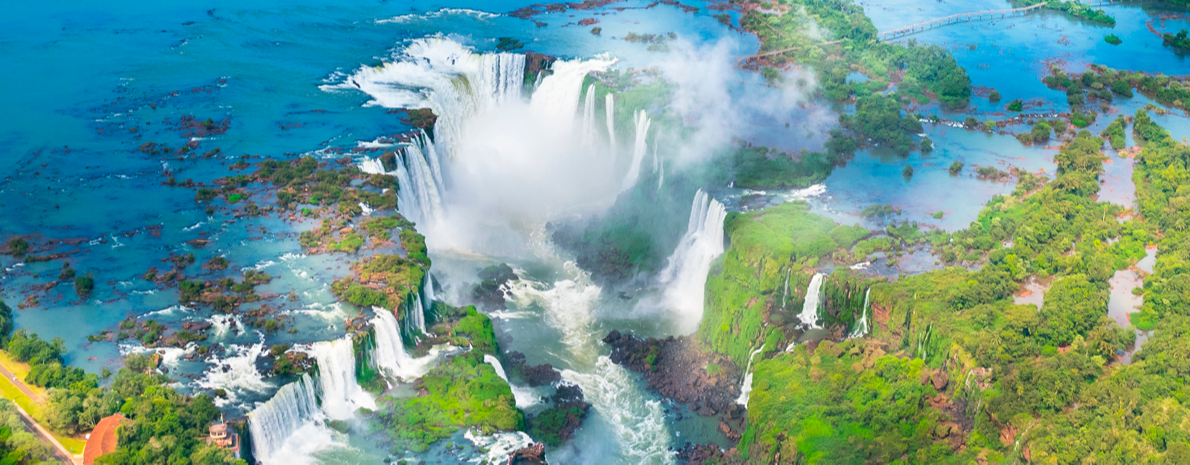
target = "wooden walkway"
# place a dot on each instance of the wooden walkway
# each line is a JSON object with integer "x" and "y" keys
{"x": 973, "y": 16}
{"x": 959, "y": 18}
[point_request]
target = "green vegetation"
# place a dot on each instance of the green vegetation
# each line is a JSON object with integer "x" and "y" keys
{"x": 17, "y": 246}
{"x": 1102, "y": 83}
{"x": 929, "y": 70}
{"x": 477, "y": 328}
{"x": 1016, "y": 105}
{"x": 1114, "y": 132}
{"x": 1076, "y": 9}
{"x": 907, "y": 173}
{"x": 955, "y": 168}
{"x": 18, "y": 446}
{"x": 508, "y": 44}
{"x": 952, "y": 371}
{"x": 879, "y": 118}
{"x": 766, "y": 246}
{"x": 764, "y": 168}
{"x": 461, "y": 392}
{"x": 927, "y": 145}
{"x": 1113, "y": 39}
{"x": 83, "y": 285}
{"x": 1178, "y": 41}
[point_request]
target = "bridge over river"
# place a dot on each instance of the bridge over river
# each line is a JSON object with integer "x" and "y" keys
{"x": 973, "y": 16}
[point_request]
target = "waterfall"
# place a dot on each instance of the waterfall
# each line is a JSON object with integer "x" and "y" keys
{"x": 809, "y": 315}
{"x": 427, "y": 292}
{"x": 415, "y": 316}
{"x": 638, "y": 150}
{"x": 419, "y": 194}
{"x": 746, "y": 386}
{"x": 609, "y": 110}
{"x": 558, "y": 96}
{"x": 523, "y": 396}
{"x": 785, "y": 295}
{"x": 389, "y": 354}
{"x": 372, "y": 166}
{"x": 589, "y": 117}
{"x": 500, "y": 77}
{"x": 685, "y": 275}
{"x": 658, "y": 166}
{"x": 862, "y": 328}
{"x": 445, "y": 77}
{"x": 419, "y": 180}
{"x": 294, "y": 405}
{"x": 340, "y": 392}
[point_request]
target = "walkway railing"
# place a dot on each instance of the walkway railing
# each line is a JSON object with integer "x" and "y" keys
{"x": 974, "y": 16}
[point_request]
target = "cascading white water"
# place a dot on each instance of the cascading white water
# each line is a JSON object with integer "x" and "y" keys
{"x": 809, "y": 315}
{"x": 639, "y": 427}
{"x": 685, "y": 276}
{"x": 746, "y": 386}
{"x": 523, "y": 396}
{"x": 427, "y": 292}
{"x": 372, "y": 166}
{"x": 340, "y": 393}
{"x": 500, "y": 78}
{"x": 415, "y": 316}
{"x": 421, "y": 194}
{"x": 389, "y": 354}
{"x": 861, "y": 328}
{"x": 446, "y": 77}
{"x": 294, "y": 405}
{"x": 557, "y": 97}
{"x": 419, "y": 180}
{"x": 638, "y": 150}
{"x": 609, "y": 109}
{"x": 588, "y": 134}
{"x": 785, "y": 295}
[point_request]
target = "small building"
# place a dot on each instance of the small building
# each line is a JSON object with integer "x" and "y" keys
{"x": 103, "y": 440}
{"x": 221, "y": 434}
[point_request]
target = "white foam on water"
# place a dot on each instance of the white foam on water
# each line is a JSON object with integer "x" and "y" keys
{"x": 288, "y": 429}
{"x": 569, "y": 306}
{"x": 639, "y": 427}
{"x": 235, "y": 372}
{"x": 499, "y": 445}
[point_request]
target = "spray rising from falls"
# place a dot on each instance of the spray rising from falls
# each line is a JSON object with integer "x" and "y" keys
{"x": 288, "y": 428}
{"x": 294, "y": 406}
{"x": 524, "y": 396}
{"x": 609, "y": 110}
{"x": 685, "y": 275}
{"x": 638, "y": 150}
{"x": 746, "y": 386}
{"x": 809, "y": 315}
{"x": 861, "y": 328}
